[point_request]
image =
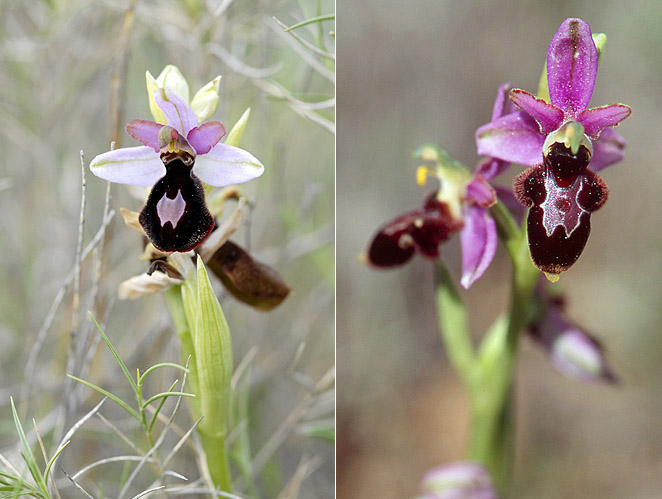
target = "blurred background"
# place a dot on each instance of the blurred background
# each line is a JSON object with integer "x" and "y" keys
{"x": 429, "y": 71}
{"x": 72, "y": 73}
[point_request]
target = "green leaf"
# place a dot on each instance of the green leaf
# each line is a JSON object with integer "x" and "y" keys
{"x": 27, "y": 454}
{"x": 141, "y": 379}
{"x": 165, "y": 395}
{"x": 318, "y": 19}
{"x": 323, "y": 432}
{"x": 111, "y": 396}
{"x": 116, "y": 355}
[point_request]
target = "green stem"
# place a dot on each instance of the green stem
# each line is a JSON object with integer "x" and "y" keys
{"x": 453, "y": 323}
{"x": 215, "y": 452}
{"x": 488, "y": 372}
{"x": 491, "y": 390}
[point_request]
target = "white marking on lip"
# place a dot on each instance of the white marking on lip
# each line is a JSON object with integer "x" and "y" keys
{"x": 561, "y": 206}
{"x": 171, "y": 210}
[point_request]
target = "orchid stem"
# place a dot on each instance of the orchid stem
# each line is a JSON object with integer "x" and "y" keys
{"x": 488, "y": 372}
{"x": 453, "y": 323}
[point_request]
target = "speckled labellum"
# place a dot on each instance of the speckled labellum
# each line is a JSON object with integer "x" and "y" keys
{"x": 561, "y": 194}
{"x": 175, "y": 216}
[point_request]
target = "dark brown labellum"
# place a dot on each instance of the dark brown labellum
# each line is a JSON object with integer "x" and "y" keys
{"x": 565, "y": 165}
{"x": 421, "y": 230}
{"x": 175, "y": 216}
{"x": 559, "y": 221}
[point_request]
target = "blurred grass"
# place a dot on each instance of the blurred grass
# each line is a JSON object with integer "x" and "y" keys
{"x": 56, "y": 63}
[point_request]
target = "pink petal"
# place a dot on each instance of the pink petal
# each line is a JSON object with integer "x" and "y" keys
{"x": 480, "y": 192}
{"x": 599, "y": 118}
{"x": 479, "y": 242}
{"x": 206, "y": 136}
{"x": 607, "y": 150}
{"x": 514, "y": 138}
{"x": 226, "y": 165}
{"x": 572, "y": 65}
{"x": 129, "y": 165}
{"x": 491, "y": 167}
{"x": 178, "y": 113}
{"x": 502, "y": 105}
{"x": 548, "y": 116}
{"x": 146, "y": 132}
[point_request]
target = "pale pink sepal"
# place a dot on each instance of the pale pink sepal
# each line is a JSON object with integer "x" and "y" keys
{"x": 227, "y": 165}
{"x": 129, "y": 165}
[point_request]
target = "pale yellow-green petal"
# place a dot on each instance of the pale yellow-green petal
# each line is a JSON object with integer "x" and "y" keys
{"x": 205, "y": 101}
{"x": 173, "y": 79}
{"x": 153, "y": 86}
{"x": 237, "y": 131}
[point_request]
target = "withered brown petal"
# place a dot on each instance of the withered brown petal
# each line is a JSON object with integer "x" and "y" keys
{"x": 248, "y": 280}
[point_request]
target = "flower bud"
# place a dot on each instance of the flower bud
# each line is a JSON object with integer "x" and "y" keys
{"x": 458, "y": 480}
{"x": 572, "y": 351}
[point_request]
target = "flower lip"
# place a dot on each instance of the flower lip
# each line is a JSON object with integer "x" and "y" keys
{"x": 421, "y": 230}
{"x": 175, "y": 216}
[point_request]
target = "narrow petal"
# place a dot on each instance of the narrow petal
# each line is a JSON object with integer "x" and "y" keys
{"x": 607, "y": 150}
{"x": 599, "y": 118}
{"x": 177, "y": 112}
{"x": 130, "y": 165}
{"x": 206, "y": 136}
{"x": 480, "y": 192}
{"x": 572, "y": 65}
{"x": 548, "y": 116}
{"x": 226, "y": 165}
{"x": 514, "y": 138}
{"x": 479, "y": 243}
{"x": 146, "y": 132}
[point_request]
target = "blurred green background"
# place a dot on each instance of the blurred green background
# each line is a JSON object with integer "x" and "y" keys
{"x": 428, "y": 70}
{"x": 57, "y": 60}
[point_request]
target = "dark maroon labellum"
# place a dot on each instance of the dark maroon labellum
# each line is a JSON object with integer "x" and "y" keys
{"x": 562, "y": 193}
{"x": 421, "y": 230}
{"x": 175, "y": 216}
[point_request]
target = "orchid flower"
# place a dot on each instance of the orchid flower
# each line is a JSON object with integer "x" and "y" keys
{"x": 572, "y": 351}
{"x": 460, "y": 205}
{"x": 559, "y": 138}
{"x": 176, "y": 157}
